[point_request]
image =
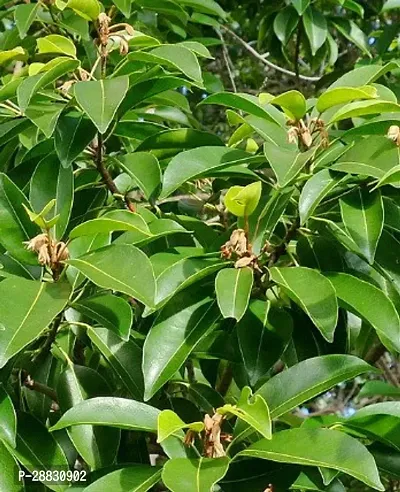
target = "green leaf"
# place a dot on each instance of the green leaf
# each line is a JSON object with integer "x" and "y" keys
{"x": 98, "y": 446}
{"x": 133, "y": 478}
{"x": 15, "y": 226}
{"x": 144, "y": 169}
{"x": 263, "y": 334}
{"x": 378, "y": 388}
{"x": 207, "y": 6}
{"x": 44, "y": 113}
{"x": 111, "y": 312}
{"x": 316, "y": 28}
{"x": 243, "y": 200}
{"x": 121, "y": 267}
{"x": 392, "y": 176}
{"x": 286, "y": 163}
{"x": 88, "y": 9}
{"x": 125, "y": 358}
{"x": 248, "y": 103}
{"x": 309, "y": 289}
{"x": 54, "y": 43}
{"x": 343, "y": 95}
{"x": 73, "y": 134}
{"x": 362, "y": 215}
{"x": 9, "y": 478}
{"x": 253, "y": 410}
{"x": 28, "y": 307}
{"x": 8, "y": 419}
{"x": 199, "y": 162}
{"x": 308, "y": 447}
{"x": 124, "y": 6}
{"x": 8, "y": 91}
{"x": 170, "y": 423}
{"x": 7, "y": 56}
{"x": 52, "y": 71}
{"x": 353, "y": 33}
{"x": 184, "y": 475}
{"x": 300, "y": 5}
{"x": 119, "y": 220}
{"x": 24, "y": 16}
{"x": 362, "y": 298}
{"x": 309, "y": 378}
{"x": 51, "y": 181}
{"x": 315, "y": 190}
{"x": 100, "y": 99}
{"x": 233, "y": 288}
{"x": 113, "y": 412}
{"x": 179, "y": 327}
{"x": 293, "y": 103}
{"x": 174, "y": 56}
{"x": 285, "y": 23}
{"x": 38, "y": 450}
{"x": 363, "y": 108}
{"x": 182, "y": 138}
{"x": 390, "y": 4}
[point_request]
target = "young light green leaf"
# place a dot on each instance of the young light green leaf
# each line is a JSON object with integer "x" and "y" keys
{"x": 308, "y": 447}
{"x": 8, "y": 419}
{"x": 343, "y": 95}
{"x": 113, "y": 412}
{"x": 293, "y": 103}
{"x": 316, "y": 28}
{"x": 362, "y": 298}
{"x": 309, "y": 289}
{"x": 27, "y": 308}
{"x": 54, "y": 43}
{"x": 88, "y": 9}
{"x": 243, "y": 200}
{"x": 110, "y": 311}
{"x": 24, "y": 16}
{"x": 196, "y": 475}
{"x": 7, "y": 56}
{"x": 362, "y": 215}
{"x": 364, "y": 108}
{"x": 170, "y": 423}
{"x": 233, "y": 288}
{"x": 121, "y": 267}
{"x": 253, "y": 410}
{"x": 100, "y": 99}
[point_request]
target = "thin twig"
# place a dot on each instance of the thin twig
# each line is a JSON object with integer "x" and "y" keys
{"x": 227, "y": 60}
{"x": 33, "y": 385}
{"x": 264, "y": 60}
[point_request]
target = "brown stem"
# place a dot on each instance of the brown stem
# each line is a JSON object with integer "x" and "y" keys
{"x": 225, "y": 379}
{"x": 281, "y": 249}
{"x": 33, "y": 385}
{"x": 49, "y": 340}
{"x": 297, "y": 56}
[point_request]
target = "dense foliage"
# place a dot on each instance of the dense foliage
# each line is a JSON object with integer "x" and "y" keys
{"x": 188, "y": 302}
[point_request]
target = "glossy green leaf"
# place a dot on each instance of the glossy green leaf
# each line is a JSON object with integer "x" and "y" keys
{"x": 125, "y": 358}
{"x": 233, "y": 288}
{"x": 179, "y": 327}
{"x": 308, "y": 447}
{"x": 144, "y": 169}
{"x": 390, "y": 4}
{"x": 44, "y": 114}
{"x": 315, "y": 190}
{"x": 121, "y": 267}
{"x": 170, "y": 423}
{"x": 245, "y": 102}
{"x": 253, "y": 410}
{"x": 343, "y": 95}
{"x": 54, "y": 43}
{"x": 286, "y": 163}
{"x": 133, "y": 478}
{"x": 375, "y": 388}
{"x": 293, "y": 103}
{"x": 263, "y": 334}
{"x": 285, "y": 23}
{"x": 38, "y": 450}
{"x": 100, "y": 99}
{"x": 316, "y": 28}
{"x": 27, "y": 308}
{"x": 124, "y": 6}
{"x": 88, "y": 9}
{"x": 52, "y": 71}
{"x": 73, "y": 134}
{"x": 309, "y": 378}
{"x": 350, "y": 30}
{"x": 113, "y": 412}
{"x": 300, "y": 5}
{"x": 243, "y": 200}
{"x": 364, "y": 108}
{"x": 309, "y": 289}
{"x": 362, "y": 298}
{"x": 175, "y": 139}
{"x": 111, "y": 312}
{"x": 51, "y": 181}
{"x": 362, "y": 215}
{"x": 15, "y": 225}
{"x": 98, "y": 446}
{"x": 9, "y": 478}
{"x": 392, "y": 176}
{"x": 199, "y": 162}
{"x": 8, "y": 419}
{"x": 7, "y": 56}
{"x": 24, "y": 16}
{"x": 185, "y": 475}
{"x": 207, "y": 6}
